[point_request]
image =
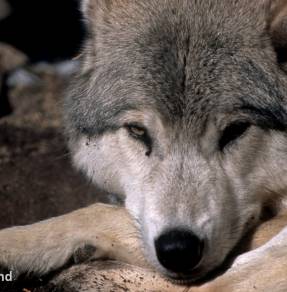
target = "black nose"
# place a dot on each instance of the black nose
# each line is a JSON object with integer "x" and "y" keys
{"x": 179, "y": 251}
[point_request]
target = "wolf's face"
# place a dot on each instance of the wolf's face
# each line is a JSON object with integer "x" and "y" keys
{"x": 179, "y": 108}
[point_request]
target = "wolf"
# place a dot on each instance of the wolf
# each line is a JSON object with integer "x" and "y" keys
{"x": 179, "y": 107}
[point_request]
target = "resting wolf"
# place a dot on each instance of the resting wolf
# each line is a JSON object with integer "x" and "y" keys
{"x": 179, "y": 108}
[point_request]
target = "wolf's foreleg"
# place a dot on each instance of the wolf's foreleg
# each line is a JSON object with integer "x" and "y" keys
{"x": 48, "y": 245}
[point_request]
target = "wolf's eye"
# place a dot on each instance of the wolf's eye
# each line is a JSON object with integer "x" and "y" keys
{"x": 232, "y": 132}
{"x": 141, "y": 134}
{"x": 136, "y": 131}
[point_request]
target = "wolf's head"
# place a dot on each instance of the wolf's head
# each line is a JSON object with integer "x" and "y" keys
{"x": 180, "y": 108}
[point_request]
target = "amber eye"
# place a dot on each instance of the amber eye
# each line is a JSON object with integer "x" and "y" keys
{"x": 136, "y": 131}
{"x": 232, "y": 133}
{"x": 139, "y": 133}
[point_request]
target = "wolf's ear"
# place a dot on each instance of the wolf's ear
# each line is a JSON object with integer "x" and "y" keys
{"x": 90, "y": 8}
{"x": 278, "y": 28}
{"x": 85, "y": 7}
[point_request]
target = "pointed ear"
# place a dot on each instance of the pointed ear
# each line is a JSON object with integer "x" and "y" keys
{"x": 278, "y": 28}
{"x": 85, "y": 7}
{"x": 88, "y": 7}
{"x": 91, "y": 9}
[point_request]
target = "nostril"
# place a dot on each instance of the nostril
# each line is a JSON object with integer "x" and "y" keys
{"x": 178, "y": 250}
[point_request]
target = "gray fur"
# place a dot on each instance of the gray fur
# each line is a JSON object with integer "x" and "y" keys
{"x": 184, "y": 58}
{"x": 179, "y": 107}
{"x": 188, "y": 69}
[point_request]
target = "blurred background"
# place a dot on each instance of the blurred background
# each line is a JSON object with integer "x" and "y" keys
{"x": 39, "y": 43}
{"x": 44, "y": 30}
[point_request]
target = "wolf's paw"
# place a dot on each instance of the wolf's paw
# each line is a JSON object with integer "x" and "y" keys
{"x": 85, "y": 253}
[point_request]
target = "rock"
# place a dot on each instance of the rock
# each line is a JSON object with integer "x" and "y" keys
{"x": 10, "y": 58}
{"x": 109, "y": 276}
